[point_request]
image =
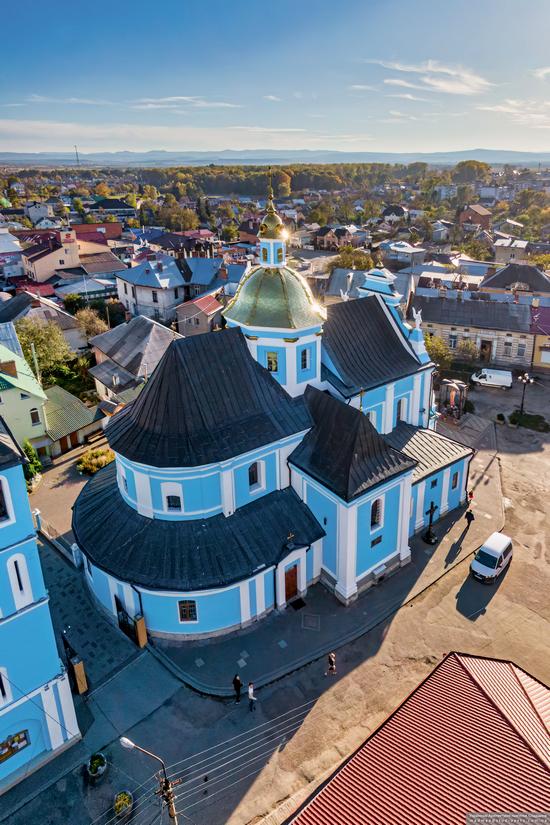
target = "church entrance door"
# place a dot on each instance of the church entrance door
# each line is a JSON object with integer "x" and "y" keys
{"x": 291, "y": 582}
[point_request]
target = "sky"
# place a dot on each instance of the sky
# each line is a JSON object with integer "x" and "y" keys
{"x": 354, "y": 75}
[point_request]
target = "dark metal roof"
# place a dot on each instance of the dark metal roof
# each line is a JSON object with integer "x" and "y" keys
{"x": 200, "y": 271}
{"x": 430, "y": 450}
{"x": 11, "y": 310}
{"x": 364, "y": 346}
{"x": 10, "y": 451}
{"x": 531, "y": 276}
{"x": 137, "y": 346}
{"x": 187, "y": 555}
{"x": 343, "y": 451}
{"x": 478, "y": 314}
{"x": 207, "y": 401}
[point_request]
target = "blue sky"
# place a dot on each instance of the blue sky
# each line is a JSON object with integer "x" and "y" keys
{"x": 391, "y": 75}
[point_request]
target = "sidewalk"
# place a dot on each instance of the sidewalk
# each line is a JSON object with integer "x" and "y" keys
{"x": 284, "y": 642}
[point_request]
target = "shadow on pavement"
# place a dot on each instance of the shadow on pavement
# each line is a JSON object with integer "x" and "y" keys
{"x": 473, "y": 598}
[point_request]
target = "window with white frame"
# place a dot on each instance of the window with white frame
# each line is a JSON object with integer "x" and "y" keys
{"x": 454, "y": 483}
{"x": 402, "y": 409}
{"x": 187, "y": 610}
{"x": 4, "y": 513}
{"x": 256, "y": 476}
{"x": 20, "y": 582}
{"x": 305, "y": 358}
{"x": 452, "y": 340}
{"x": 172, "y": 494}
{"x": 508, "y": 347}
{"x": 35, "y": 417}
{"x": 521, "y": 349}
{"x": 5, "y": 687}
{"x": 376, "y": 513}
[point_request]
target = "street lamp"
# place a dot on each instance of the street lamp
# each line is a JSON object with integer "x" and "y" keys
{"x": 165, "y": 786}
{"x": 525, "y": 379}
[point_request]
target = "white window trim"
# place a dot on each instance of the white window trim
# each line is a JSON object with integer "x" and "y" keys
{"x": 307, "y": 352}
{"x": 7, "y": 688}
{"x": 188, "y": 621}
{"x": 9, "y": 503}
{"x": 405, "y": 417}
{"x": 376, "y": 527}
{"x": 260, "y": 484}
{"x": 171, "y": 488}
{"x": 24, "y": 597}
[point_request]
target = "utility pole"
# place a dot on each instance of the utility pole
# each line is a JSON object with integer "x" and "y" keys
{"x": 35, "y": 361}
{"x": 166, "y": 787}
{"x": 77, "y": 158}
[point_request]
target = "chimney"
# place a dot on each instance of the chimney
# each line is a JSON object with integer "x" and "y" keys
{"x": 8, "y": 368}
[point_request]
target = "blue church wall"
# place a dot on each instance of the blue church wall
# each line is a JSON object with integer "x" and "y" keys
{"x": 19, "y": 524}
{"x": 244, "y": 494}
{"x": 280, "y": 373}
{"x": 432, "y": 492}
{"x": 325, "y": 511}
{"x": 28, "y": 672}
{"x": 99, "y": 583}
{"x": 28, "y": 716}
{"x": 29, "y": 551}
{"x": 252, "y": 597}
{"x": 435, "y": 493}
{"x": 310, "y": 372}
{"x": 403, "y": 389}
{"x": 384, "y": 536}
{"x": 275, "y": 334}
{"x": 269, "y": 589}
{"x": 216, "y": 610}
{"x": 456, "y": 494}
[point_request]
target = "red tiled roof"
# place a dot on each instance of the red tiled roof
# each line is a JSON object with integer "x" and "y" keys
{"x": 26, "y": 285}
{"x": 473, "y": 737}
{"x": 92, "y": 237}
{"x": 207, "y": 304}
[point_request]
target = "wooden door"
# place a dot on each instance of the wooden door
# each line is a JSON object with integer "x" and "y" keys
{"x": 291, "y": 582}
{"x": 74, "y": 439}
{"x": 64, "y": 444}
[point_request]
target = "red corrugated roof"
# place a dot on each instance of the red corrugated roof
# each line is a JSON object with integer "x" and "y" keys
{"x": 207, "y": 303}
{"x": 472, "y": 738}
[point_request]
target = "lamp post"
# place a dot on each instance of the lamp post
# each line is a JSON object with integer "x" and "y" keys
{"x": 525, "y": 379}
{"x": 166, "y": 788}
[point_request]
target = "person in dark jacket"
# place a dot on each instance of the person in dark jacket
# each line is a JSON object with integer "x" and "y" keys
{"x": 237, "y": 685}
{"x": 469, "y": 518}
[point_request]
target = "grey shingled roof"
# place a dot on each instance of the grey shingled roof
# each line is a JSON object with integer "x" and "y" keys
{"x": 345, "y": 281}
{"x": 364, "y": 347}
{"x": 207, "y": 401}
{"x": 162, "y": 272}
{"x": 200, "y": 271}
{"x": 194, "y": 554}
{"x": 65, "y": 413}
{"x": 505, "y": 278}
{"x": 343, "y": 451}
{"x": 107, "y": 370}
{"x": 137, "y": 346}
{"x": 473, "y": 313}
{"x": 429, "y": 449}
{"x": 13, "y": 309}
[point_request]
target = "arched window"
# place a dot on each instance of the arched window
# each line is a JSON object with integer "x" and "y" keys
{"x": 264, "y": 254}
{"x": 402, "y": 409}
{"x": 253, "y": 474}
{"x": 280, "y": 255}
{"x": 376, "y": 513}
{"x": 20, "y": 582}
{"x": 256, "y": 476}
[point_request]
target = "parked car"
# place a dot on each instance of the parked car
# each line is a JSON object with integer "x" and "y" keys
{"x": 493, "y": 378}
{"x": 492, "y": 558}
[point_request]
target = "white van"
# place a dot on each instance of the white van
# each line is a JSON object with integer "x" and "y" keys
{"x": 493, "y": 378}
{"x": 492, "y": 558}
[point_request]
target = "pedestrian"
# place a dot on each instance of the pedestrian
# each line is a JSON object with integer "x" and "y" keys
{"x": 331, "y": 664}
{"x": 251, "y": 698}
{"x": 237, "y": 685}
{"x": 469, "y": 518}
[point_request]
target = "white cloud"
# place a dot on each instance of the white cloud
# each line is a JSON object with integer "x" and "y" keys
{"x": 533, "y": 114}
{"x": 439, "y": 77}
{"x": 194, "y": 101}
{"x": 542, "y": 73}
{"x": 263, "y": 129}
{"x": 273, "y": 98}
{"x": 80, "y": 101}
{"x": 408, "y": 96}
{"x": 360, "y": 87}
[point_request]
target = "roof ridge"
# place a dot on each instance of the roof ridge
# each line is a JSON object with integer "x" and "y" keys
{"x": 497, "y": 707}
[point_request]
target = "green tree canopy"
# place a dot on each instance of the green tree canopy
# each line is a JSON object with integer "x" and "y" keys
{"x": 52, "y": 350}
{"x": 438, "y": 351}
{"x": 350, "y": 258}
{"x": 90, "y": 323}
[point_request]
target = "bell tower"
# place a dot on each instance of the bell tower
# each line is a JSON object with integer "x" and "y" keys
{"x": 272, "y": 234}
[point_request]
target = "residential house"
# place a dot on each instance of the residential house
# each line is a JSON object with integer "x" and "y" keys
{"x": 509, "y": 227}
{"x": 433, "y": 759}
{"x": 540, "y": 328}
{"x": 203, "y": 314}
{"x": 21, "y": 399}
{"x": 57, "y": 251}
{"x": 202, "y": 275}
{"x": 35, "y": 210}
{"x": 111, "y": 230}
{"x": 343, "y": 285}
{"x": 398, "y": 254}
{"x": 501, "y": 331}
{"x": 442, "y": 231}
{"x": 517, "y": 279}
{"x": 37, "y": 307}
{"x": 335, "y": 237}
{"x": 153, "y": 288}
{"x": 10, "y": 254}
{"x": 248, "y": 230}
{"x": 445, "y": 191}
{"x": 476, "y": 215}
{"x": 394, "y": 213}
{"x": 69, "y": 421}
{"x": 127, "y": 355}
{"x": 111, "y": 206}
{"x": 510, "y": 250}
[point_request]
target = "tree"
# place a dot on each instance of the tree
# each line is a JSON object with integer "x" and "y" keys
{"x": 103, "y": 190}
{"x": 350, "y": 258}
{"x": 52, "y": 350}
{"x": 90, "y": 323}
{"x": 34, "y": 466}
{"x": 542, "y": 261}
{"x": 467, "y": 350}
{"x": 468, "y": 171}
{"x": 73, "y": 302}
{"x": 229, "y": 233}
{"x": 477, "y": 249}
{"x": 438, "y": 351}
{"x": 131, "y": 199}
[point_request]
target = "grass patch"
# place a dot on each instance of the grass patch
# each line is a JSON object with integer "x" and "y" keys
{"x": 530, "y": 421}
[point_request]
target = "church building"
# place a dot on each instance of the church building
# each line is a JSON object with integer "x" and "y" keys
{"x": 293, "y": 446}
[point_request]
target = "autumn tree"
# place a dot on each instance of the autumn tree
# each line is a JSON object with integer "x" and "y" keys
{"x": 51, "y": 348}
{"x": 90, "y": 323}
{"x": 351, "y": 258}
{"x": 438, "y": 351}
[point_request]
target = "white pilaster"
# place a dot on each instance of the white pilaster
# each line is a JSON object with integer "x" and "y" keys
{"x": 298, "y": 485}
{"x": 445, "y": 491}
{"x": 420, "y": 488}
{"x": 143, "y": 494}
{"x": 427, "y": 399}
{"x": 404, "y": 516}
{"x": 346, "y": 584}
{"x": 284, "y": 472}
{"x": 228, "y": 492}
{"x": 387, "y": 425}
{"x": 414, "y": 415}
{"x": 317, "y": 550}
{"x": 260, "y": 593}
{"x": 245, "y": 601}
{"x": 67, "y": 706}
{"x": 52, "y": 717}
{"x": 129, "y": 599}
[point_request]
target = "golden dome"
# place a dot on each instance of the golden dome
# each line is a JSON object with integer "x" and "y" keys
{"x": 272, "y": 224}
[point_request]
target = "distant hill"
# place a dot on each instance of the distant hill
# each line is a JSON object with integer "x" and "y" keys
{"x": 258, "y": 157}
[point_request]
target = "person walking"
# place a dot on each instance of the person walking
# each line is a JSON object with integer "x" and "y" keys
{"x": 469, "y": 516}
{"x": 331, "y": 664}
{"x": 251, "y": 698}
{"x": 237, "y": 685}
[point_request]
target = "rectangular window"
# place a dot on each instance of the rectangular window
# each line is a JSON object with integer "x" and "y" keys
{"x": 279, "y": 256}
{"x": 433, "y": 483}
{"x": 155, "y": 297}
{"x": 35, "y": 417}
{"x": 454, "y": 483}
{"x": 18, "y": 576}
{"x": 272, "y": 361}
{"x": 187, "y": 611}
{"x": 253, "y": 475}
{"x": 452, "y": 341}
{"x": 61, "y": 262}
{"x": 376, "y": 541}
{"x": 508, "y": 349}
{"x": 126, "y": 289}
{"x": 264, "y": 254}
{"x": 521, "y": 350}
{"x": 173, "y": 503}
{"x": 176, "y": 293}
{"x": 304, "y": 359}
{"x": 156, "y": 314}
{"x": 133, "y": 292}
